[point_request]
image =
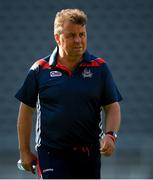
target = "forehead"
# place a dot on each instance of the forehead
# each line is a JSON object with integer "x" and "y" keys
{"x": 75, "y": 28}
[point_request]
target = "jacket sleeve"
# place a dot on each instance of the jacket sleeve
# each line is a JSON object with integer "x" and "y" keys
{"x": 110, "y": 92}
{"x": 29, "y": 90}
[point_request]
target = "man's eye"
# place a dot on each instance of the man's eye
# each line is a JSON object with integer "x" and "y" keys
{"x": 82, "y": 35}
{"x": 70, "y": 35}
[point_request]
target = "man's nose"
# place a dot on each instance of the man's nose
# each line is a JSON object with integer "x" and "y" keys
{"x": 77, "y": 39}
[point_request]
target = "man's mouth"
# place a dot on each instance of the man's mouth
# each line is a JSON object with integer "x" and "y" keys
{"x": 77, "y": 47}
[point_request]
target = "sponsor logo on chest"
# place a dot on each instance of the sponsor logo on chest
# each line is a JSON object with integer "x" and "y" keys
{"x": 55, "y": 74}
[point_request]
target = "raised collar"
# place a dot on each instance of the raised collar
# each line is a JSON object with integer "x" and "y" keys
{"x": 53, "y": 57}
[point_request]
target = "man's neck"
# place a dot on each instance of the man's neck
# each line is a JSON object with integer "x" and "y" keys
{"x": 68, "y": 62}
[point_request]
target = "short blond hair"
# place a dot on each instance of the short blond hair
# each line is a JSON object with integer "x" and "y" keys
{"x": 75, "y": 16}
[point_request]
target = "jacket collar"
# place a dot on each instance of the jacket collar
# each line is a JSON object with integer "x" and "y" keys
{"x": 53, "y": 57}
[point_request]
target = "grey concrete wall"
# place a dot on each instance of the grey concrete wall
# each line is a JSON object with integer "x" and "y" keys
{"x": 119, "y": 31}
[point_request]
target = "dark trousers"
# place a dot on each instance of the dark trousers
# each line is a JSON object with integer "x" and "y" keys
{"x": 81, "y": 162}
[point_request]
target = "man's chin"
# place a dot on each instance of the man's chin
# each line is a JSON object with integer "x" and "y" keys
{"x": 78, "y": 52}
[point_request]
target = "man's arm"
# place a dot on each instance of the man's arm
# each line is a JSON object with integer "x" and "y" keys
{"x": 24, "y": 128}
{"x": 112, "y": 123}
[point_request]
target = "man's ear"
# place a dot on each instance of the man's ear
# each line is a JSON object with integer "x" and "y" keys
{"x": 57, "y": 38}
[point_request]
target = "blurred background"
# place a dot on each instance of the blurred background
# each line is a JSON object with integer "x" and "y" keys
{"x": 119, "y": 31}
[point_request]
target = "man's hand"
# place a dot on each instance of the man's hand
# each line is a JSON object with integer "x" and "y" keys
{"x": 107, "y": 146}
{"x": 28, "y": 159}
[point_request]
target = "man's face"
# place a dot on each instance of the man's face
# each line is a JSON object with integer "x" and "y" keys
{"x": 73, "y": 40}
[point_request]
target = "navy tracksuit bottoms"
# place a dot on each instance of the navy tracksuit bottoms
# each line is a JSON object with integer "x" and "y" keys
{"x": 80, "y": 162}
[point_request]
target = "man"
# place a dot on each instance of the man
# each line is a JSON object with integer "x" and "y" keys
{"x": 69, "y": 88}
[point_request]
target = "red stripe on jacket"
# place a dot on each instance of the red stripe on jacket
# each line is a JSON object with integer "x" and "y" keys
{"x": 44, "y": 64}
{"x": 93, "y": 63}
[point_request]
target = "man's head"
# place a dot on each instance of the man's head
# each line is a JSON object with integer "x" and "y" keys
{"x": 74, "y": 16}
{"x": 70, "y": 32}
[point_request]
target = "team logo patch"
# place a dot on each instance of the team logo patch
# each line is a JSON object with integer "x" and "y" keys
{"x": 55, "y": 74}
{"x": 47, "y": 170}
{"x": 87, "y": 73}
